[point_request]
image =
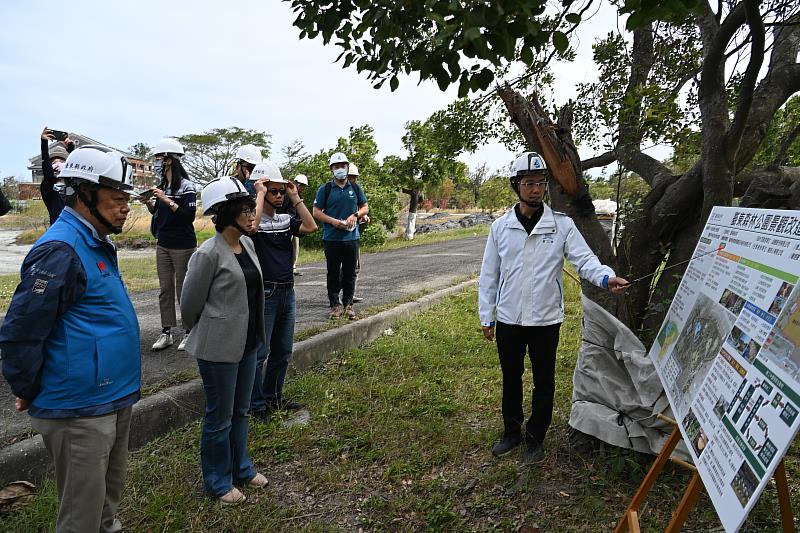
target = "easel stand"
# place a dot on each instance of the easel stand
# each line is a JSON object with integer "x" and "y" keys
{"x": 630, "y": 520}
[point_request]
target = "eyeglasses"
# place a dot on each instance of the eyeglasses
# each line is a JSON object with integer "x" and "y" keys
{"x": 533, "y": 184}
{"x": 276, "y": 192}
{"x": 248, "y": 212}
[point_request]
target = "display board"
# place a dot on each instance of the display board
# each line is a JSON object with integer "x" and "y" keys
{"x": 728, "y": 353}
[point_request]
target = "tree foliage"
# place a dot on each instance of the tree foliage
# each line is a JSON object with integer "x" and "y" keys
{"x": 464, "y": 43}
{"x": 140, "y": 150}
{"x": 496, "y": 193}
{"x": 211, "y": 154}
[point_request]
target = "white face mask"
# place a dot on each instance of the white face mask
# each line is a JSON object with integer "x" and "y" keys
{"x": 340, "y": 174}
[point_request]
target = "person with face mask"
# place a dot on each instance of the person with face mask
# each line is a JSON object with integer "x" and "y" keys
{"x": 339, "y": 205}
{"x": 520, "y": 295}
{"x": 52, "y": 187}
{"x": 173, "y": 204}
{"x": 273, "y": 242}
{"x": 70, "y": 342}
{"x": 223, "y": 304}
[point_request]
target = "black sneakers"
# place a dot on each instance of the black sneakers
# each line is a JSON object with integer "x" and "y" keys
{"x": 284, "y": 405}
{"x": 534, "y": 453}
{"x": 506, "y": 445}
{"x": 261, "y": 415}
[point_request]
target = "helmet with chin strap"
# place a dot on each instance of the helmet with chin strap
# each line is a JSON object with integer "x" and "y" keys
{"x": 250, "y": 154}
{"x": 96, "y": 166}
{"x": 527, "y": 164}
{"x": 220, "y": 190}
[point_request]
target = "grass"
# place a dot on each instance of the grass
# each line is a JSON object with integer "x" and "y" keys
{"x": 140, "y": 275}
{"x": 399, "y": 441}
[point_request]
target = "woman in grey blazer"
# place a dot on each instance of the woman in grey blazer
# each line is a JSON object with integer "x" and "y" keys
{"x": 222, "y": 302}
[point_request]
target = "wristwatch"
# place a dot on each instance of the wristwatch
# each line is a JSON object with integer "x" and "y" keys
{"x": 172, "y": 205}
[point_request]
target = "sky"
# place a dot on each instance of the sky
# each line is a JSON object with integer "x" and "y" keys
{"x": 124, "y": 72}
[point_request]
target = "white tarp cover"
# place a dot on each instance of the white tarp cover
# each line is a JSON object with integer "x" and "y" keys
{"x": 616, "y": 390}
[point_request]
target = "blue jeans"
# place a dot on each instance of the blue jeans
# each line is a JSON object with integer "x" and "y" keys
{"x": 279, "y": 315}
{"x": 223, "y": 444}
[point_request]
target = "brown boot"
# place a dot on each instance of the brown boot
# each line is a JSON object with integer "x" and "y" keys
{"x": 350, "y": 312}
{"x": 336, "y": 312}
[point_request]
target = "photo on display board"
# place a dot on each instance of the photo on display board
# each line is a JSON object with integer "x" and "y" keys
{"x": 744, "y": 345}
{"x": 782, "y": 346}
{"x": 781, "y": 298}
{"x": 732, "y": 301}
{"x": 697, "y": 436}
{"x": 706, "y": 328}
{"x": 744, "y": 483}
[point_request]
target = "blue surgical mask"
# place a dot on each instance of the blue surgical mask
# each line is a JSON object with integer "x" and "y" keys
{"x": 340, "y": 174}
{"x": 158, "y": 167}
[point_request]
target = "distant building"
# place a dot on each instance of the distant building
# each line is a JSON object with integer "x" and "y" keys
{"x": 142, "y": 168}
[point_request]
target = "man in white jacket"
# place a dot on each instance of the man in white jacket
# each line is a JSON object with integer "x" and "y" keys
{"x": 521, "y": 296}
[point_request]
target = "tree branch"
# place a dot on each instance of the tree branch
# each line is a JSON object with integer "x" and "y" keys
{"x": 734, "y": 134}
{"x": 599, "y": 161}
{"x": 778, "y": 85}
{"x": 780, "y": 157}
{"x": 716, "y": 40}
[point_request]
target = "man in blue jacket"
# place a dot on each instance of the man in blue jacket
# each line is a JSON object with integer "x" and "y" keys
{"x": 70, "y": 342}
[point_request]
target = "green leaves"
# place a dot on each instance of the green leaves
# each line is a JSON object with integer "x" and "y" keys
{"x": 560, "y": 41}
{"x": 442, "y": 40}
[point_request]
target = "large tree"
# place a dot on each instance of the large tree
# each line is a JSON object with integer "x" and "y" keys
{"x": 719, "y": 72}
{"x": 211, "y": 154}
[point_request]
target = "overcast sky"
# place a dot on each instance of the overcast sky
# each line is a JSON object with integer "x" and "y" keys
{"x": 124, "y": 72}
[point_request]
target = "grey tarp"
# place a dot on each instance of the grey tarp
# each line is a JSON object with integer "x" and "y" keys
{"x": 616, "y": 390}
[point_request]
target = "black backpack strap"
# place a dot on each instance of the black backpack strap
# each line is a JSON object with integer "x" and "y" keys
{"x": 327, "y": 193}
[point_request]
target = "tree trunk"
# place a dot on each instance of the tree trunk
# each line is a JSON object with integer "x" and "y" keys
{"x": 528, "y": 115}
{"x": 411, "y": 223}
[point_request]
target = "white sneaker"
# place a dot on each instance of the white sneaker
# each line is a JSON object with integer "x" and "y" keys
{"x": 164, "y": 340}
{"x": 182, "y": 345}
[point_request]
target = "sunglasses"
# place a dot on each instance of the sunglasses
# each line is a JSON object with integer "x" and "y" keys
{"x": 276, "y": 192}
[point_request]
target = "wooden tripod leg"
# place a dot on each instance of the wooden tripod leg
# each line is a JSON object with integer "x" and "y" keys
{"x": 686, "y": 505}
{"x": 787, "y": 520}
{"x": 649, "y": 480}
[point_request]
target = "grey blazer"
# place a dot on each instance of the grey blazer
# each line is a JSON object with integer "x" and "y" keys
{"x": 214, "y": 302}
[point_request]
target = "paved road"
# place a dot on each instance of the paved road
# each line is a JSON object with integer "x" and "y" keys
{"x": 385, "y": 277}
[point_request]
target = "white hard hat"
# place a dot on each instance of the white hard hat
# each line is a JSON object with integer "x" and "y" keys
{"x": 268, "y": 170}
{"x": 168, "y": 145}
{"x": 352, "y": 170}
{"x": 100, "y": 165}
{"x": 338, "y": 157}
{"x": 221, "y": 190}
{"x": 301, "y": 178}
{"x": 527, "y": 164}
{"x": 249, "y": 153}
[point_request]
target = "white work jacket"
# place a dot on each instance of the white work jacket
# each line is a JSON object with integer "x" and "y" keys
{"x": 521, "y": 281}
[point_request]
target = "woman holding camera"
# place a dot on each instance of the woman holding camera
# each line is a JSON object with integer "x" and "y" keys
{"x": 223, "y": 304}
{"x": 172, "y": 205}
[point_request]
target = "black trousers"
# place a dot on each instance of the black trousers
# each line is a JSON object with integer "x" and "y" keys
{"x": 541, "y": 343}
{"x": 341, "y": 257}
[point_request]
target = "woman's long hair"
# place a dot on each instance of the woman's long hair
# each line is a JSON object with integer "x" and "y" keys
{"x": 178, "y": 174}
